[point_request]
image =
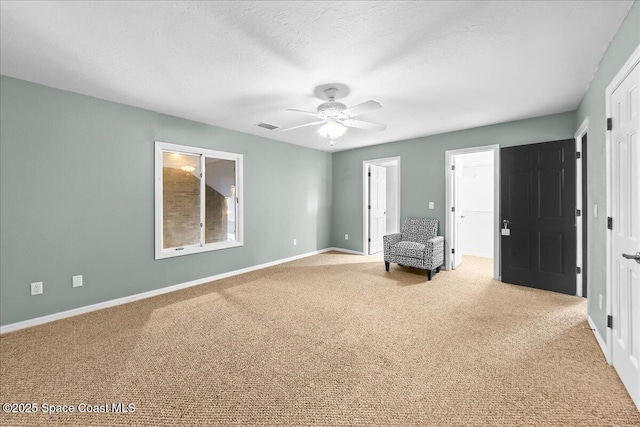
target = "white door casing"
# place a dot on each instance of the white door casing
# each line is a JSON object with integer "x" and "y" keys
{"x": 625, "y": 233}
{"x": 456, "y": 214}
{"x": 394, "y": 188}
{"x": 580, "y": 223}
{"x": 377, "y": 207}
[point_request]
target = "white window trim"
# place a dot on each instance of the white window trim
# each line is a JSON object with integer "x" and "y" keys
{"x": 160, "y": 252}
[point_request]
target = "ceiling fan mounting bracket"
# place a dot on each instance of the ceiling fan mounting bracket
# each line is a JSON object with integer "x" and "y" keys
{"x": 331, "y": 93}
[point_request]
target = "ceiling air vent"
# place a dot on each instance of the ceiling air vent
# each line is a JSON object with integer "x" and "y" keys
{"x": 267, "y": 126}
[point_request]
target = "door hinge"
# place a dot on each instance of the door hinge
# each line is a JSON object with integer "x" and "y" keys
{"x": 453, "y": 251}
{"x": 369, "y": 173}
{"x": 609, "y": 321}
{"x": 369, "y": 206}
{"x": 200, "y": 225}
{"x": 369, "y": 239}
{"x": 453, "y": 208}
{"x": 453, "y": 167}
{"x": 578, "y": 212}
{"x": 610, "y": 223}
{"x": 578, "y": 155}
{"x": 609, "y": 123}
{"x": 578, "y": 270}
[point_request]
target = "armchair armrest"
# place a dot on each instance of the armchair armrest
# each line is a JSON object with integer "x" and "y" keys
{"x": 434, "y": 252}
{"x": 435, "y": 242}
{"x": 391, "y": 239}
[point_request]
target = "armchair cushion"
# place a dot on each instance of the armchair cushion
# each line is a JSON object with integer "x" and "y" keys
{"x": 408, "y": 249}
{"x": 419, "y": 229}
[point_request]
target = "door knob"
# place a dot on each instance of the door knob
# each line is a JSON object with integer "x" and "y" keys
{"x": 636, "y": 257}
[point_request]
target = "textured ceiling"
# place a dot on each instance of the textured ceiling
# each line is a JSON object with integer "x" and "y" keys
{"x": 434, "y": 66}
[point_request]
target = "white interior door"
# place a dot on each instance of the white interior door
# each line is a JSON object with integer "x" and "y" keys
{"x": 625, "y": 241}
{"x": 377, "y": 207}
{"x": 457, "y": 211}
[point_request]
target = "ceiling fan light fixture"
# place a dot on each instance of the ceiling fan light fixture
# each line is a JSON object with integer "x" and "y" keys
{"x": 334, "y": 117}
{"x": 332, "y": 129}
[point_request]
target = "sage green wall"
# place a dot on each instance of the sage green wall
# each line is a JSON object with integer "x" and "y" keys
{"x": 77, "y": 197}
{"x": 625, "y": 42}
{"x": 422, "y": 164}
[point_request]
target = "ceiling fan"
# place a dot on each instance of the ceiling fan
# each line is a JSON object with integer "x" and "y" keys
{"x": 336, "y": 117}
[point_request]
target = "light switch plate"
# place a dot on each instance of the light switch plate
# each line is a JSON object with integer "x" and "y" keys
{"x": 37, "y": 288}
{"x": 76, "y": 281}
{"x": 431, "y": 205}
{"x": 595, "y": 210}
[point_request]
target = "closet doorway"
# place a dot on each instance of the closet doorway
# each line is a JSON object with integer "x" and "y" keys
{"x": 381, "y": 201}
{"x": 472, "y": 186}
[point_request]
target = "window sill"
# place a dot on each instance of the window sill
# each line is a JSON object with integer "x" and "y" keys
{"x": 188, "y": 250}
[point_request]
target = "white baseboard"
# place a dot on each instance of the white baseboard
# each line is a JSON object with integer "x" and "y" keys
{"x": 124, "y": 300}
{"x": 349, "y": 251}
{"x": 601, "y": 342}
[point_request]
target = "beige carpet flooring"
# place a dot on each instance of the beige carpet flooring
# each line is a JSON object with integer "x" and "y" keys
{"x": 329, "y": 340}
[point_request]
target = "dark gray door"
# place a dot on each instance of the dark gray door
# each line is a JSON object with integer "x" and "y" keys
{"x": 538, "y": 206}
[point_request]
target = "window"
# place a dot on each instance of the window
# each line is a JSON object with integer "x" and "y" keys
{"x": 198, "y": 200}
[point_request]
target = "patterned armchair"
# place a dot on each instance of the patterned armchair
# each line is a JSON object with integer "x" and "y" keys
{"x": 417, "y": 246}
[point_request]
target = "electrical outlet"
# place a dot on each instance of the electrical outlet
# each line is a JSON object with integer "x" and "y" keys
{"x": 600, "y": 301}
{"x": 76, "y": 281}
{"x": 431, "y": 205}
{"x": 346, "y": 237}
{"x": 295, "y": 242}
{"x": 37, "y": 288}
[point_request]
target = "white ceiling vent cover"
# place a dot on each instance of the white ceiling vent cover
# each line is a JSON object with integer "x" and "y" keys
{"x": 267, "y": 126}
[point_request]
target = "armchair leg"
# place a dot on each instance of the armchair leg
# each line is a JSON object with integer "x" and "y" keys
{"x": 429, "y": 274}
{"x": 386, "y": 265}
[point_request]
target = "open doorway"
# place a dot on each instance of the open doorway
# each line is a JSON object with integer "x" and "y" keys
{"x": 472, "y": 186}
{"x": 381, "y": 201}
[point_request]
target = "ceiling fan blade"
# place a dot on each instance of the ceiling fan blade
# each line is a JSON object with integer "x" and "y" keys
{"x": 365, "y": 107}
{"x": 361, "y": 124}
{"x": 309, "y": 113}
{"x": 301, "y": 126}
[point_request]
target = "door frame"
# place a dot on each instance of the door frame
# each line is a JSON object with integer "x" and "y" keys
{"x": 387, "y": 161}
{"x": 449, "y": 154}
{"x": 633, "y": 61}
{"x": 581, "y": 254}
